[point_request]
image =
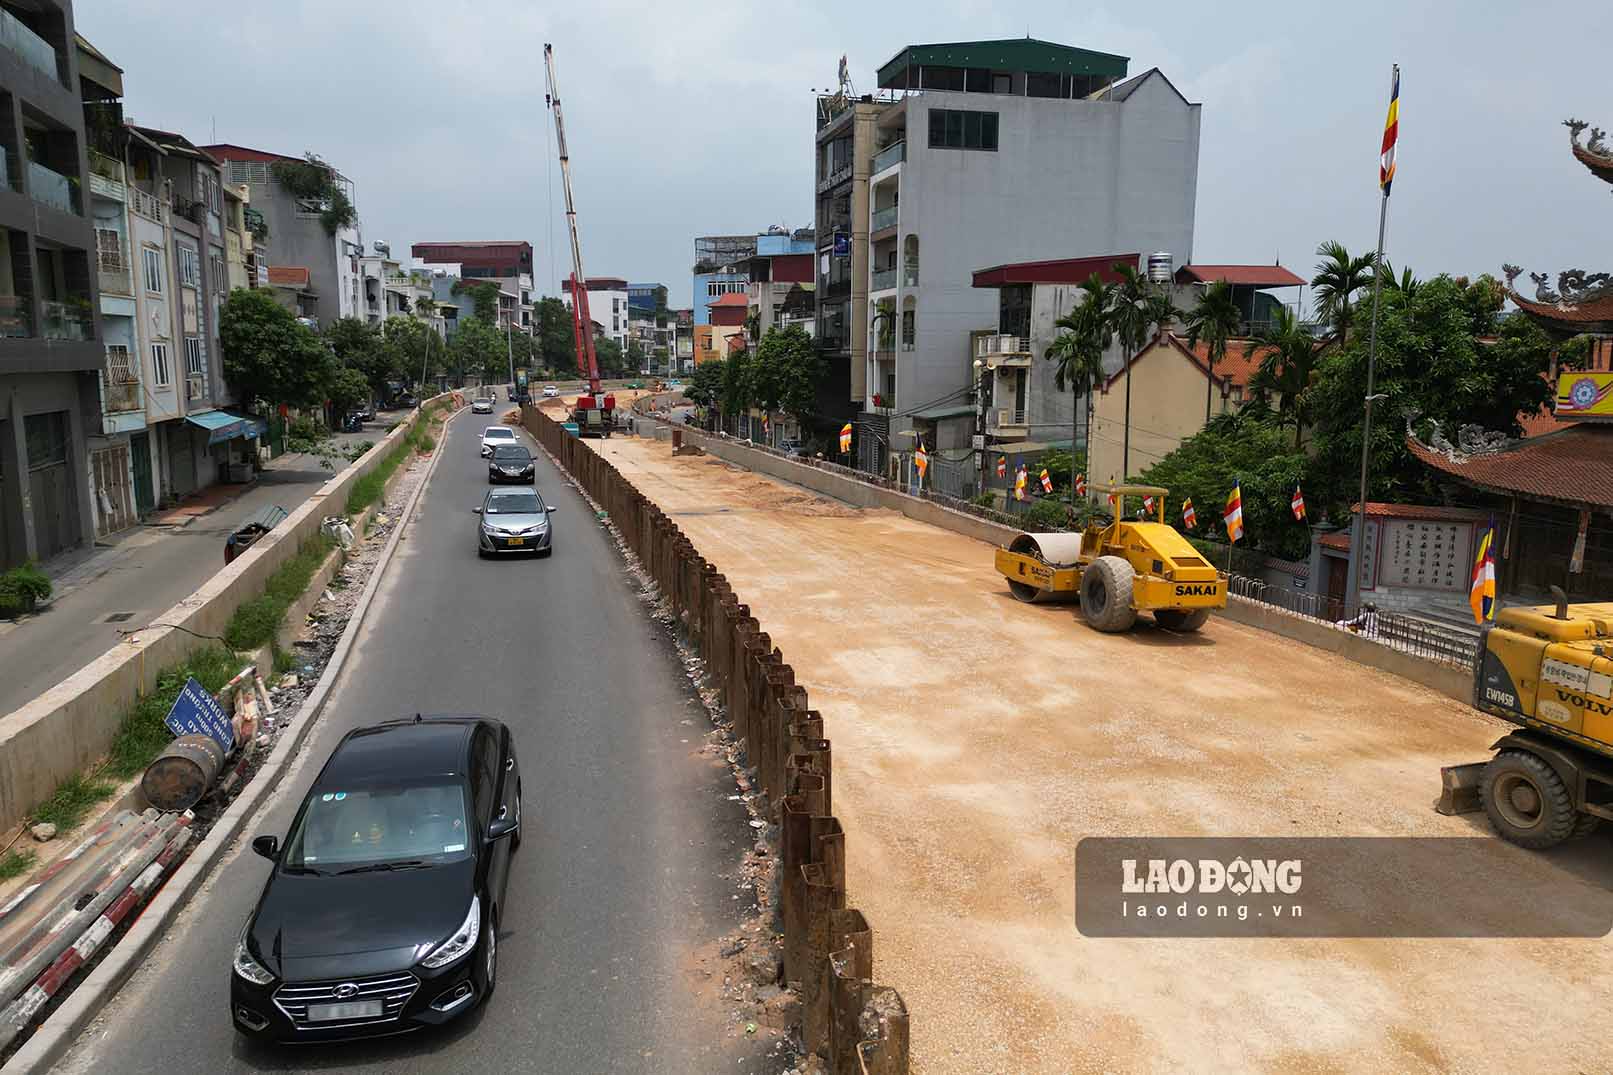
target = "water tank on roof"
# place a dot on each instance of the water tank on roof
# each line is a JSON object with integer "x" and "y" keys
{"x": 384, "y": 249}
{"x": 1159, "y": 268}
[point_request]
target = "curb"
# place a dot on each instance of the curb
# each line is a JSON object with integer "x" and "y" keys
{"x": 52, "y": 1040}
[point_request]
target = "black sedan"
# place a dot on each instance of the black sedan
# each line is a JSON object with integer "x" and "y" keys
{"x": 511, "y": 463}
{"x": 381, "y": 914}
{"x": 514, "y": 520}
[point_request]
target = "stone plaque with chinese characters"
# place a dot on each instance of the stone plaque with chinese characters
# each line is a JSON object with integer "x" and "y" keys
{"x": 1426, "y": 555}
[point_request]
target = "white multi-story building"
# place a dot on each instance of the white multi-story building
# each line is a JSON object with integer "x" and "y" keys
{"x": 999, "y": 152}
{"x": 607, "y": 306}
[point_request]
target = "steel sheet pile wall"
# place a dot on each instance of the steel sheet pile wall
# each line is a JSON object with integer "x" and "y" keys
{"x": 855, "y": 1025}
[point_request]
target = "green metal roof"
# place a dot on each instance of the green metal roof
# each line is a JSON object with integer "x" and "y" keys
{"x": 945, "y": 410}
{"x": 1014, "y": 54}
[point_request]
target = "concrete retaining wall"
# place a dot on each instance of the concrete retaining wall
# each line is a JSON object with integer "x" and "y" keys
{"x": 1447, "y": 679}
{"x": 70, "y": 726}
{"x": 853, "y": 1024}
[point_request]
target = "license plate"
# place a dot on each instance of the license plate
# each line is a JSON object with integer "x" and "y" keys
{"x": 331, "y": 1013}
{"x": 515, "y": 541}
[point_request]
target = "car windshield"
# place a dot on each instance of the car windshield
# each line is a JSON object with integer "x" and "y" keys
{"x": 499, "y": 433}
{"x": 343, "y": 827}
{"x": 514, "y": 453}
{"x": 522, "y": 503}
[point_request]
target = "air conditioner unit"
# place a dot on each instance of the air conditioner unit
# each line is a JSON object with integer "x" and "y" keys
{"x": 195, "y": 386}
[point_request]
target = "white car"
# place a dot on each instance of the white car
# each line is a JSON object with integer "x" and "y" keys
{"x": 493, "y": 436}
{"x": 483, "y": 405}
{"x": 550, "y": 391}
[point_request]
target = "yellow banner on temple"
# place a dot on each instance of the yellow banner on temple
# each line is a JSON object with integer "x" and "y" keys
{"x": 1582, "y": 394}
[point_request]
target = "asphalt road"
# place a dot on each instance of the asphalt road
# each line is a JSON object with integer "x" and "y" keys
{"x": 629, "y": 861}
{"x": 144, "y": 572}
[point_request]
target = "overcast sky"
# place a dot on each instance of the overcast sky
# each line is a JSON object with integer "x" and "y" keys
{"x": 690, "y": 119}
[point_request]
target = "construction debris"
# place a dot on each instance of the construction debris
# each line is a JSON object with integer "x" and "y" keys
{"x": 43, "y": 831}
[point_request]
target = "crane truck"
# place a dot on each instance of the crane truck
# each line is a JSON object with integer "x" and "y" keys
{"x": 595, "y": 410}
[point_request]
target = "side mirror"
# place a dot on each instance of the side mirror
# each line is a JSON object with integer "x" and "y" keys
{"x": 267, "y": 846}
{"x": 548, "y": 507}
{"x": 500, "y": 828}
{"x": 476, "y": 511}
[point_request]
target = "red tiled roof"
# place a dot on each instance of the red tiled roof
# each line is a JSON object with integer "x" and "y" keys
{"x": 1339, "y": 540}
{"x": 224, "y": 151}
{"x": 1234, "y": 368}
{"x": 1377, "y": 509}
{"x": 1598, "y": 311}
{"x": 733, "y": 298}
{"x": 1246, "y": 275}
{"x": 1536, "y": 425}
{"x": 1061, "y": 271}
{"x": 289, "y": 275}
{"x": 737, "y": 342}
{"x": 1573, "y": 466}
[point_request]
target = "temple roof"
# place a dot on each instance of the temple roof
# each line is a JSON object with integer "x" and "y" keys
{"x": 1601, "y": 165}
{"x": 1573, "y": 467}
{"x": 1592, "y": 314}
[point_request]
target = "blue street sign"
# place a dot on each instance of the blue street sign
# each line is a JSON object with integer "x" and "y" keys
{"x": 196, "y": 713}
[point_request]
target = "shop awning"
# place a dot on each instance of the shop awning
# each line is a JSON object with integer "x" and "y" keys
{"x": 945, "y": 410}
{"x": 222, "y": 425}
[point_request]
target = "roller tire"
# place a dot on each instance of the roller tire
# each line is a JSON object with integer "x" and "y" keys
{"x": 1023, "y": 591}
{"x": 1181, "y": 619}
{"x": 1106, "y": 589}
{"x": 1527, "y": 801}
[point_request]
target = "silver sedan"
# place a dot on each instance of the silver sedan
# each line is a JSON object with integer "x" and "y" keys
{"x": 513, "y": 521}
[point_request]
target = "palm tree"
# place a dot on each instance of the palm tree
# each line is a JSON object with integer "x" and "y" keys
{"x": 1287, "y": 368}
{"x": 1215, "y": 320}
{"x": 1405, "y": 283}
{"x": 1078, "y": 351}
{"x": 425, "y": 306}
{"x": 1136, "y": 311}
{"x": 1339, "y": 278}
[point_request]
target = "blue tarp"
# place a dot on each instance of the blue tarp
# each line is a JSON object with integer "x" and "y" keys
{"x": 222, "y": 426}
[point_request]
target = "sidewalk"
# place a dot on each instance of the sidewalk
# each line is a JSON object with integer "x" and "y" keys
{"x": 125, "y": 580}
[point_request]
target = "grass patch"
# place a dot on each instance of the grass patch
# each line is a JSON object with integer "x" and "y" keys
{"x": 425, "y": 443}
{"x": 284, "y": 661}
{"x": 73, "y": 798}
{"x": 143, "y": 735}
{"x": 22, "y": 588}
{"x": 370, "y": 488}
{"x": 258, "y": 620}
{"x": 16, "y": 863}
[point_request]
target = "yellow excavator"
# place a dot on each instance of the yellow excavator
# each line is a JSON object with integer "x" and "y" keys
{"x": 1118, "y": 569}
{"x": 1548, "y": 669}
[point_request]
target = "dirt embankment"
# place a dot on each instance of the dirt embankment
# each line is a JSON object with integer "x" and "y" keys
{"x": 977, "y": 739}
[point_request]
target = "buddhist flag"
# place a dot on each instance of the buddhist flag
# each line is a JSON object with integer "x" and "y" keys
{"x": 1148, "y": 505}
{"x": 1080, "y": 485}
{"x": 1190, "y": 518}
{"x": 1233, "y": 516}
{"x": 1114, "y": 501}
{"x": 845, "y": 439}
{"x": 1391, "y": 133}
{"x": 1297, "y": 505}
{"x": 1047, "y": 481}
{"x": 1482, "y": 595}
{"x": 1002, "y": 466}
{"x": 921, "y": 459}
{"x": 1019, "y": 483}
{"x": 765, "y": 426}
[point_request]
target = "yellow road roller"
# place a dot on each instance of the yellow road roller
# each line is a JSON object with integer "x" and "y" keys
{"x": 1119, "y": 569}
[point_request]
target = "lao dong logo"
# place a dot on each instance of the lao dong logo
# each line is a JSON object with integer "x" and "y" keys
{"x": 1208, "y": 877}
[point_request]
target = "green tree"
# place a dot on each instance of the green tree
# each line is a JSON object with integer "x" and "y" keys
{"x": 360, "y": 346}
{"x": 425, "y": 306}
{"x": 1253, "y": 451}
{"x": 785, "y": 373}
{"x": 557, "y": 342}
{"x": 483, "y": 297}
{"x": 736, "y": 383}
{"x": 479, "y": 348}
{"x": 705, "y": 385}
{"x": 313, "y": 182}
{"x": 1287, "y": 368}
{"x": 635, "y": 356}
{"x": 269, "y": 355}
{"x": 609, "y": 357}
{"x": 1443, "y": 355}
{"x": 1214, "y": 320}
{"x": 411, "y": 346}
{"x": 348, "y": 390}
{"x": 1085, "y": 333}
{"x": 1136, "y": 311}
{"x": 1338, "y": 281}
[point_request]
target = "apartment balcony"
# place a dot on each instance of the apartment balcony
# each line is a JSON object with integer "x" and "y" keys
{"x": 112, "y": 272}
{"x": 883, "y": 219}
{"x": 16, "y": 317}
{"x": 120, "y": 392}
{"x": 148, "y": 206}
{"x": 106, "y": 177}
{"x": 885, "y": 280}
{"x": 52, "y": 188}
{"x": 68, "y": 321}
{"x": 35, "y": 50}
{"x": 890, "y": 156}
{"x": 997, "y": 351}
{"x": 1008, "y": 420}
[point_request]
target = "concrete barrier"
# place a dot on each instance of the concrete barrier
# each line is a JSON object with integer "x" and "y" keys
{"x": 854, "y": 1025}
{"x": 70, "y": 726}
{"x": 1447, "y": 679}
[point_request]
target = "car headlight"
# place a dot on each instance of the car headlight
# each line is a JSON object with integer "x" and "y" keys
{"x": 462, "y": 941}
{"x": 250, "y": 968}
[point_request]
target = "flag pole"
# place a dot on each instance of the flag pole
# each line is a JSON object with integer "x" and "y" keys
{"x": 1358, "y": 522}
